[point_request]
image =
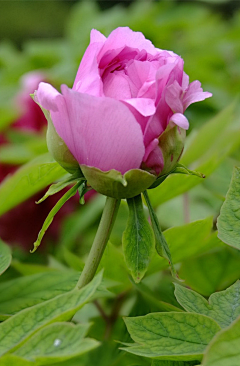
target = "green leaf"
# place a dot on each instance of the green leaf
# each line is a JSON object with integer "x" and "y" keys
{"x": 160, "y": 241}
{"x": 16, "y": 330}
{"x": 229, "y": 220}
{"x": 224, "y": 349}
{"x": 223, "y": 307}
{"x": 138, "y": 240}
{"x": 10, "y": 359}
{"x": 171, "y": 336}
{"x": 27, "y": 180}
{"x": 70, "y": 193}
{"x": 23, "y": 292}
{"x": 173, "y": 363}
{"x": 5, "y": 257}
{"x": 185, "y": 241}
{"x": 57, "y": 342}
{"x": 212, "y": 271}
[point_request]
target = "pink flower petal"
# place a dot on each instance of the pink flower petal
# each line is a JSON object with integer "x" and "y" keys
{"x": 180, "y": 120}
{"x": 125, "y": 37}
{"x": 144, "y": 106}
{"x": 96, "y": 37}
{"x": 100, "y": 132}
{"x": 116, "y": 86}
{"x": 194, "y": 94}
{"x": 46, "y": 96}
{"x": 88, "y": 79}
{"x": 173, "y": 97}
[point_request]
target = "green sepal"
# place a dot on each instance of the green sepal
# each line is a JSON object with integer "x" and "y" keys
{"x": 161, "y": 245}
{"x": 57, "y": 187}
{"x": 138, "y": 240}
{"x": 71, "y": 192}
{"x": 113, "y": 184}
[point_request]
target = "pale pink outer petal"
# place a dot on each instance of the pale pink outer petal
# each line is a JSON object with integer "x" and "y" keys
{"x": 124, "y": 37}
{"x": 194, "y": 93}
{"x": 180, "y": 120}
{"x": 99, "y": 132}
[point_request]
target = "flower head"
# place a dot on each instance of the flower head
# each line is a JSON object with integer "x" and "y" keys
{"x": 126, "y": 95}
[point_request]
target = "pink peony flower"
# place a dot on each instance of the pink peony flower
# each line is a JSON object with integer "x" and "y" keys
{"x": 125, "y": 95}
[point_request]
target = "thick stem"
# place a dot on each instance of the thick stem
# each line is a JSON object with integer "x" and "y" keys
{"x": 104, "y": 230}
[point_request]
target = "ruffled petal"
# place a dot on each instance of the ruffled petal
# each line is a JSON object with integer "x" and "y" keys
{"x": 125, "y": 37}
{"x": 194, "y": 94}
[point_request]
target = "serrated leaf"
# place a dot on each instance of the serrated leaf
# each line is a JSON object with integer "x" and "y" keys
{"x": 28, "y": 180}
{"x": 15, "y": 330}
{"x": 228, "y": 222}
{"x": 138, "y": 240}
{"x": 161, "y": 244}
{"x": 57, "y": 342}
{"x": 223, "y": 306}
{"x": 224, "y": 349}
{"x": 171, "y": 336}
{"x": 70, "y": 193}
{"x": 5, "y": 257}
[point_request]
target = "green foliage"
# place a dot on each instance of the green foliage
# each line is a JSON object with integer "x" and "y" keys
{"x": 29, "y": 179}
{"x": 138, "y": 240}
{"x": 171, "y": 336}
{"x": 5, "y": 257}
{"x": 57, "y": 342}
{"x": 228, "y": 221}
{"x": 223, "y": 307}
{"x": 15, "y": 330}
{"x": 224, "y": 348}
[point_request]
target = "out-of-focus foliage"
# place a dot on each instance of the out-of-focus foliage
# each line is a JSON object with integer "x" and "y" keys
{"x": 208, "y": 41}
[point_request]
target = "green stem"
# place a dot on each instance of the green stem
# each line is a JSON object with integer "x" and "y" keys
{"x": 104, "y": 230}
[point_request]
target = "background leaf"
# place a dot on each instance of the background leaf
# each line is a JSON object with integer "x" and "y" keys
{"x": 27, "y": 180}
{"x": 5, "y": 257}
{"x": 229, "y": 219}
{"x": 224, "y": 349}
